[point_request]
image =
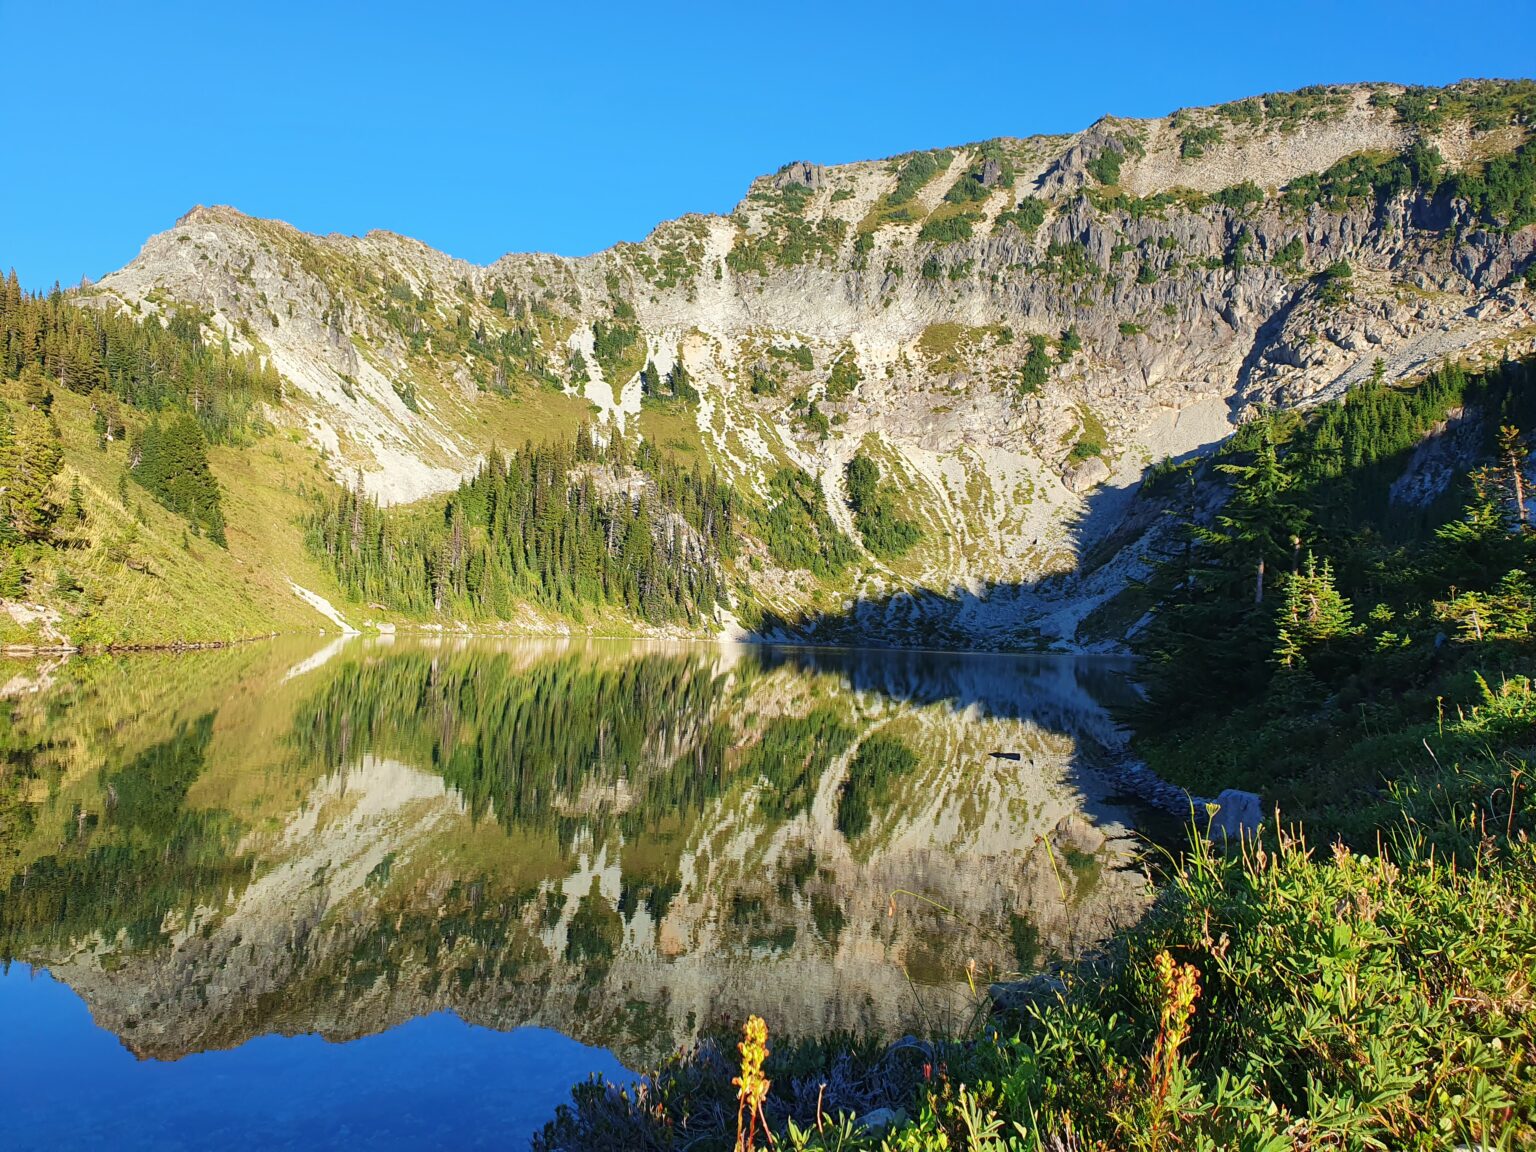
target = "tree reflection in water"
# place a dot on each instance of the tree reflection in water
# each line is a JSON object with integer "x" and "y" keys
{"x": 622, "y": 841}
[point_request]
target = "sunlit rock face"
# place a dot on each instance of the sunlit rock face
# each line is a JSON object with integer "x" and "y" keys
{"x": 1189, "y": 257}
{"x": 626, "y": 843}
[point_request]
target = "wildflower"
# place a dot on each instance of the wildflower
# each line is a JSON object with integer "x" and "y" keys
{"x": 751, "y": 1085}
{"x": 1180, "y": 985}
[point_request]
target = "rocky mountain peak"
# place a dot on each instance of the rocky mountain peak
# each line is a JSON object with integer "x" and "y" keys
{"x": 1013, "y": 327}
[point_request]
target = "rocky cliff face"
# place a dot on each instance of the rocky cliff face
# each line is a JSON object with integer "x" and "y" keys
{"x": 1014, "y": 329}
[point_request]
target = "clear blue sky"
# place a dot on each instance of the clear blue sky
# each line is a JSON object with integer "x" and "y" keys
{"x": 484, "y": 128}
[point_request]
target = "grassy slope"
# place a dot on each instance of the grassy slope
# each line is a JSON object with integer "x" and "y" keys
{"x": 173, "y": 588}
{"x": 177, "y": 588}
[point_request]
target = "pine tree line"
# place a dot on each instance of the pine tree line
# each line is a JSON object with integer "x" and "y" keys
{"x": 517, "y": 738}
{"x": 153, "y": 365}
{"x": 193, "y": 392}
{"x": 593, "y": 522}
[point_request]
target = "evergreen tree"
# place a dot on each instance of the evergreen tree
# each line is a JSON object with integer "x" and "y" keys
{"x": 884, "y": 531}
{"x": 680, "y": 383}
{"x": 1313, "y": 613}
{"x": 539, "y": 526}
{"x": 1259, "y": 520}
{"x": 150, "y": 366}
{"x": 1512, "y": 454}
{"x": 171, "y": 462}
{"x": 650, "y": 381}
{"x": 76, "y": 502}
{"x": 13, "y": 576}
{"x": 30, "y": 457}
{"x": 35, "y": 390}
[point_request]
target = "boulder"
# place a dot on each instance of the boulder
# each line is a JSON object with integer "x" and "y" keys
{"x": 1017, "y": 995}
{"x": 1089, "y": 474}
{"x": 879, "y": 1119}
{"x": 1238, "y": 816}
{"x": 1075, "y": 833}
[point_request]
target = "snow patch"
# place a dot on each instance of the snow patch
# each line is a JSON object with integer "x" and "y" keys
{"x": 323, "y": 606}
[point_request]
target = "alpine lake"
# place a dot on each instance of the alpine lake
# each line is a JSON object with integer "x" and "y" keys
{"x": 394, "y": 893}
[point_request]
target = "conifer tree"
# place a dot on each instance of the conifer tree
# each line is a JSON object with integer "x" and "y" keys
{"x": 76, "y": 502}
{"x": 1314, "y": 613}
{"x": 30, "y": 457}
{"x": 171, "y": 462}
{"x": 1512, "y": 454}
{"x": 680, "y": 383}
{"x": 1259, "y": 520}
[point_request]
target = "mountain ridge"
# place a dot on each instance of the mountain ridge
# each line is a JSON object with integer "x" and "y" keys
{"x": 1012, "y": 330}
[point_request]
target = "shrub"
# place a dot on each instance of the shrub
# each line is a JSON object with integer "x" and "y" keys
{"x": 1026, "y": 216}
{"x": 913, "y": 175}
{"x": 1105, "y": 167}
{"x": 1037, "y": 365}
{"x": 948, "y": 229}
{"x": 1240, "y": 197}
{"x": 1092, "y": 439}
{"x": 1335, "y": 282}
{"x": 814, "y": 420}
{"x": 969, "y": 189}
{"x": 1194, "y": 141}
{"x": 797, "y": 354}
{"x": 845, "y": 377}
{"x": 1068, "y": 261}
{"x": 1290, "y": 254}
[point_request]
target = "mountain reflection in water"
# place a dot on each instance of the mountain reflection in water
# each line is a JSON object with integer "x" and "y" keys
{"x": 623, "y": 842}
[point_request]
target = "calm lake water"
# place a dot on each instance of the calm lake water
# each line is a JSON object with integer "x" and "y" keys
{"x": 404, "y": 894}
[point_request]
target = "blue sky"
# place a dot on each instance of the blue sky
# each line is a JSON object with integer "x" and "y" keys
{"x": 485, "y": 128}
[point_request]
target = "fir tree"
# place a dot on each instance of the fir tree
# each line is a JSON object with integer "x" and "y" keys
{"x": 30, "y": 457}
{"x": 76, "y": 502}
{"x": 1313, "y": 613}
{"x": 1259, "y": 519}
{"x": 1512, "y": 454}
{"x": 171, "y": 462}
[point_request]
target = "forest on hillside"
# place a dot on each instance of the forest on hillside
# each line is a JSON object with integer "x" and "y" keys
{"x": 1330, "y": 601}
{"x": 596, "y": 522}
{"x": 183, "y": 392}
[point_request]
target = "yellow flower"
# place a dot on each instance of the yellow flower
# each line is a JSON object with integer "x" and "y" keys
{"x": 751, "y": 1085}
{"x": 1180, "y": 986}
